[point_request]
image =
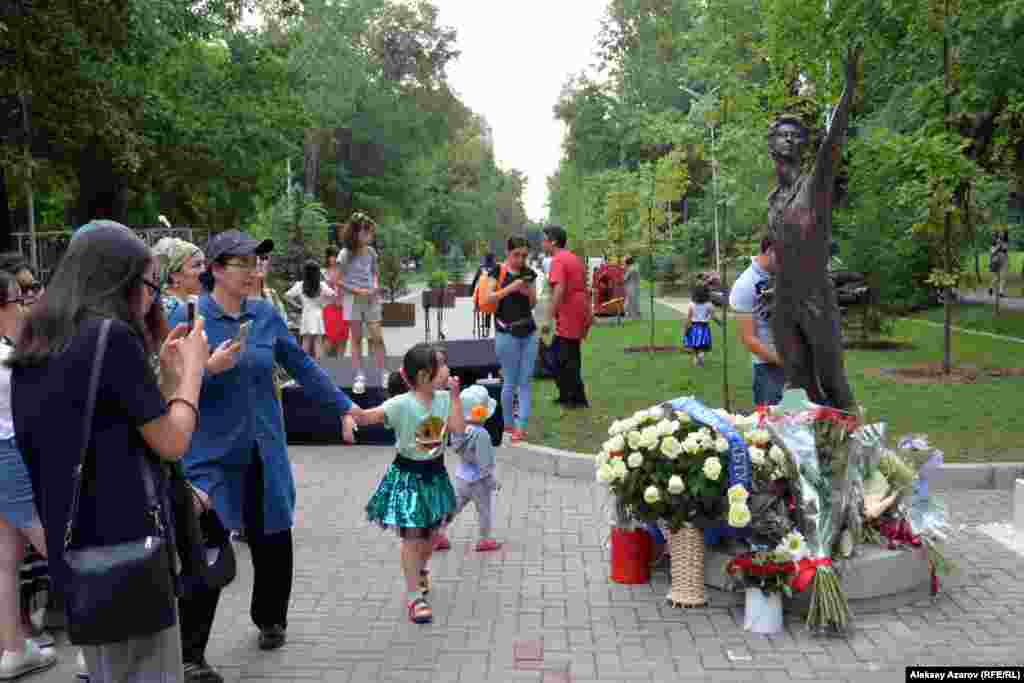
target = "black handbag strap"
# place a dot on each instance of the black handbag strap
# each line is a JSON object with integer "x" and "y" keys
{"x": 90, "y": 407}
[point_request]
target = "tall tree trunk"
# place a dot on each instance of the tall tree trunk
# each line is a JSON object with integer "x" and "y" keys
{"x": 6, "y": 224}
{"x": 947, "y": 232}
{"x": 101, "y": 190}
{"x": 311, "y": 167}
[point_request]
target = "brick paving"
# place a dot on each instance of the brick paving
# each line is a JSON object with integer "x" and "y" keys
{"x": 543, "y": 609}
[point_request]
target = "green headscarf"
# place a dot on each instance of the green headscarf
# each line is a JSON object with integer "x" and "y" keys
{"x": 172, "y": 253}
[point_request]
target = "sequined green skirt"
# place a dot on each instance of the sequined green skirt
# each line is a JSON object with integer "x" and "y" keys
{"x": 413, "y": 495}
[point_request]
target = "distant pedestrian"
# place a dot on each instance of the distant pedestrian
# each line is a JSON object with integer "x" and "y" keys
{"x": 312, "y": 295}
{"x": 632, "y": 286}
{"x": 571, "y": 309}
{"x": 999, "y": 262}
{"x": 697, "y": 333}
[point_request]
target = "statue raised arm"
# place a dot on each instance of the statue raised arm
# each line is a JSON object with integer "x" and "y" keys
{"x": 805, "y": 321}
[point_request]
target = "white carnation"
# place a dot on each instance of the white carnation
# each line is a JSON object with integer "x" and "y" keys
{"x": 618, "y": 466}
{"x": 665, "y": 428}
{"x": 721, "y": 445}
{"x": 759, "y": 437}
{"x": 633, "y": 439}
{"x": 777, "y": 454}
{"x": 649, "y": 437}
{"x": 635, "y": 460}
{"x": 605, "y": 474}
{"x": 656, "y": 413}
{"x": 757, "y": 455}
{"x": 600, "y": 459}
{"x": 692, "y": 444}
{"x": 676, "y": 485}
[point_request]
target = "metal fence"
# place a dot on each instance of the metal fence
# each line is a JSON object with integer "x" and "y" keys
{"x": 51, "y": 244}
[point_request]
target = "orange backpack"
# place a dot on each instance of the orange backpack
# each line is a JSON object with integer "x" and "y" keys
{"x": 487, "y": 286}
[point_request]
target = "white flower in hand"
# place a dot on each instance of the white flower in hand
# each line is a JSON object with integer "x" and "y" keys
{"x": 712, "y": 468}
{"x": 739, "y": 516}
{"x": 652, "y": 495}
{"x": 605, "y": 474}
{"x": 635, "y": 460}
{"x": 756, "y": 455}
{"x": 676, "y": 485}
{"x": 671, "y": 447}
{"x": 721, "y": 445}
{"x": 737, "y": 495}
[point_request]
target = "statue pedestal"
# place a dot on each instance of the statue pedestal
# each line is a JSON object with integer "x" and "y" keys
{"x": 875, "y": 580}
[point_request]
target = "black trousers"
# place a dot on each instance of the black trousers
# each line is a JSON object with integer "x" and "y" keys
{"x": 272, "y": 576}
{"x": 569, "y": 378}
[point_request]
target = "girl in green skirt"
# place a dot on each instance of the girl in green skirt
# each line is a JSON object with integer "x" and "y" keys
{"x": 416, "y": 496}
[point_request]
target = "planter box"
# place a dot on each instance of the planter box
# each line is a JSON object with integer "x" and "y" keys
{"x": 439, "y": 298}
{"x": 463, "y": 290}
{"x": 398, "y": 315}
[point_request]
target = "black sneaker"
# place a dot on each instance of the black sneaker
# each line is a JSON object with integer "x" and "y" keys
{"x": 272, "y": 637}
{"x": 201, "y": 672}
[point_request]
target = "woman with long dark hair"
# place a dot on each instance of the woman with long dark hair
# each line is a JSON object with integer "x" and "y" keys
{"x": 515, "y": 334}
{"x": 108, "y": 273}
{"x": 239, "y": 456}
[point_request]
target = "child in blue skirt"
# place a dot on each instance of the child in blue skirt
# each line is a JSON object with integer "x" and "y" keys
{"x": 701, "y": 312}
{"x": 416, "y": 497}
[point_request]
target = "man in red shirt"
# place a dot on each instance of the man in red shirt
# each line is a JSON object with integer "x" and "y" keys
{"x": 570, "y": 307}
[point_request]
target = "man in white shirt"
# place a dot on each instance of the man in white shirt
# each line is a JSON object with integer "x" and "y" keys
{"x": 752, "y": 298}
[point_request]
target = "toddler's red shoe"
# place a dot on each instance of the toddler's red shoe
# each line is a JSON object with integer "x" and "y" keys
{"x": 487, "y": 545}
{"x": 441, "y": 542}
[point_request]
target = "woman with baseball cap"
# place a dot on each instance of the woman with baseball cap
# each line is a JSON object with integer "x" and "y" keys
{"x": 238, "y": 456}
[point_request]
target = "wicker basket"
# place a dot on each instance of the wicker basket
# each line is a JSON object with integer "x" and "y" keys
{"x": 687, "y": 568}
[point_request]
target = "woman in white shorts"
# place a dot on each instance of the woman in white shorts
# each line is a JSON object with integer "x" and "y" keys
{"x": 359, "y": 280}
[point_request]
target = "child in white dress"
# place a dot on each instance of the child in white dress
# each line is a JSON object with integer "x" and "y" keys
{"x": 311, "y": 294}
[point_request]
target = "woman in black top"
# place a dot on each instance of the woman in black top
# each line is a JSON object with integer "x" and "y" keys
{"x": 106, "y": 273}
{"x": 515, "y": 338}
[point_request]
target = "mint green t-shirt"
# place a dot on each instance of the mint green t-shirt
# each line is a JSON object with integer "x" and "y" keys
{"x": 404, "y": 414}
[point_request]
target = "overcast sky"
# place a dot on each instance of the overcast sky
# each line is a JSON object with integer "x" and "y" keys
{"x": 515, "y": 58}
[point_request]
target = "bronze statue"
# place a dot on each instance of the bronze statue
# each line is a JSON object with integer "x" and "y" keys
{"x": 805, "y": 321}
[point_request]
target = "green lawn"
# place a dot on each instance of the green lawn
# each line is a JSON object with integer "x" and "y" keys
{"x": 978, "y": 422}
{"x": 981, "y": 317}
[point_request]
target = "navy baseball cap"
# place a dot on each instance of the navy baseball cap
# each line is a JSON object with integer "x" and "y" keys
{"x": 236, "y": 243}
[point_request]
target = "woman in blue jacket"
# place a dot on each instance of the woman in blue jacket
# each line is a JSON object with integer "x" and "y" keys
{"x": 239, "y": 459}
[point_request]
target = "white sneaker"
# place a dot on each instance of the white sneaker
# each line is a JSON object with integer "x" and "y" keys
{"x": 33, "y": 658}
{"x": 82, "y": 672}
{"x": 359, "y": 385}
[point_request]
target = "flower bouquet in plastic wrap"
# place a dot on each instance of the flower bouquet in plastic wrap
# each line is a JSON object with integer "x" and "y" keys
{"x": 899, "y": 508}
{"x": 818, "y": 443}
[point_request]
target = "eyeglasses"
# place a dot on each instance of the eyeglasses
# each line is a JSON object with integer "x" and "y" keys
{"x": 248, "y": 264}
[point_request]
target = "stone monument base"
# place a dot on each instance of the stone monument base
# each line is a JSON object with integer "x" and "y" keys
{"x": 876, "y": 579}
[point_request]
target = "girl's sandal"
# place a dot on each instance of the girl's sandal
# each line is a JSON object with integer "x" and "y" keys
{"x": 420, "y": 612}
{"x": 424, "y": 584}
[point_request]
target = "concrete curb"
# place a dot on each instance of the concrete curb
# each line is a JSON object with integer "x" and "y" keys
{"x": 569, "y": 465}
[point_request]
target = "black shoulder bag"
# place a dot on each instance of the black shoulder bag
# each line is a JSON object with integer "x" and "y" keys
{"x": 125, "y": 590}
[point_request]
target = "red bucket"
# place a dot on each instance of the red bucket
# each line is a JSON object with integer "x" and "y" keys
{"x": 631, "y": 556}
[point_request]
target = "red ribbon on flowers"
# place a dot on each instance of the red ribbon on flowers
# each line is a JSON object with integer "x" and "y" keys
{"x": 839, "y": 417}
{"x": 763, "y": 412}
{"x": 806, "y": 569}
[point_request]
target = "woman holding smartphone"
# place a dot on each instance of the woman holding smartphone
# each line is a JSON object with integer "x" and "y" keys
{"x": 238, "y": 457}
{"x": 515, "y": 334}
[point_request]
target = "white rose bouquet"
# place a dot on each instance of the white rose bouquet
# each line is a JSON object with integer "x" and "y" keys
{"x": 662, "y": 466}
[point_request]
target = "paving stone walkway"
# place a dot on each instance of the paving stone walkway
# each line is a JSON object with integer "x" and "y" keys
{"x": 543, "y": 610}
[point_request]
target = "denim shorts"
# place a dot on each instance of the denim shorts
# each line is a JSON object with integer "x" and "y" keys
{"x": 16, "y": 503}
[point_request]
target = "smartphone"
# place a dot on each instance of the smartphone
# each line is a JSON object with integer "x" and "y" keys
{"x": 243, "y": 334}
{"x": 191, "y": 314}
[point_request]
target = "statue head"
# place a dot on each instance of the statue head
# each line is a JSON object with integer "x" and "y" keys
{"x": 788, "y": 138}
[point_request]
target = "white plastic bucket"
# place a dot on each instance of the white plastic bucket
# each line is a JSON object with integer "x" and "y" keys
{"x": 763, "y": 613}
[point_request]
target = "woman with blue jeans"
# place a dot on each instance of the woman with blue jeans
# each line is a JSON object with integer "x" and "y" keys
{"x": 515, "y": 334}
